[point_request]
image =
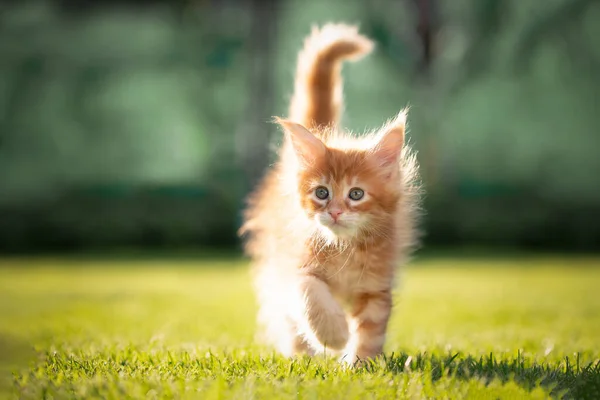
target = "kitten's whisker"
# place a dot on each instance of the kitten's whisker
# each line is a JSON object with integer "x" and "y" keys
{"x": 350, "y": 253}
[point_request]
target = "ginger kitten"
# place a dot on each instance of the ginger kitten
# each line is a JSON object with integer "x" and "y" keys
{"x": 333, "y": 218}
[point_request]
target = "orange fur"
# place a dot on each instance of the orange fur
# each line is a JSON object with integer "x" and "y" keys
{"x": 325, "y": 267}
{"x": 317, "y": 100}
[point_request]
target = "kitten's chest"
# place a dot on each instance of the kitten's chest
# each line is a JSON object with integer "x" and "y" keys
{"x": 355, "y": 272}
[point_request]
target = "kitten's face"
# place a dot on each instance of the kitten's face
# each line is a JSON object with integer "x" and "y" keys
{"x": 346, "y": 195}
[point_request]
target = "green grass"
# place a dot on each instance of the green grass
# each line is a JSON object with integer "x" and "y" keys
{"x": 523, "y": 327}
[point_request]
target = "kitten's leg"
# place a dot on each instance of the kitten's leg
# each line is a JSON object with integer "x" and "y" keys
{"x": 280, "y": 330}
{"x": 322, "y": 321}
{"x": 370, "y": 316}
{"x": 296, "y": 343}
{"x": 301, "y": 346}
{"x": 288, "y": 341}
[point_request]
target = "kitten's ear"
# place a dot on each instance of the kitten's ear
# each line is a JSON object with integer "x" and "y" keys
{"x": 307, "y": 146}
{"x": 391, "y": 141}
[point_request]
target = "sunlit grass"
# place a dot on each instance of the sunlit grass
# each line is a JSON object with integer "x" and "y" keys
{"x": 476, "y": 328}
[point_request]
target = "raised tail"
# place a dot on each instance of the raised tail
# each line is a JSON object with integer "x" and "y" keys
{"x": 318, "y": 97}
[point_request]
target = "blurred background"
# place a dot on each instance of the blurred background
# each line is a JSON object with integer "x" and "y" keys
{"x": 144, "y": 124}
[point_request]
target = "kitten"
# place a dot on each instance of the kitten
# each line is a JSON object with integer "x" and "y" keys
{"x": 333, "y": 217}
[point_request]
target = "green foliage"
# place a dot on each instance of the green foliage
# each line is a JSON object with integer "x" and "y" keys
{"x": 524, "y": 327}
{"x": 506, "y": 124}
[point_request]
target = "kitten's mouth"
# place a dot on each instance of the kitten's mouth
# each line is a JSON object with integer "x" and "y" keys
{"x": 339, "y": 228}
{"x": 336, "y": 225}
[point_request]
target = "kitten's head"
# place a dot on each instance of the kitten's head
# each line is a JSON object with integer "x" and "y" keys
{"x": 349, "y": 190}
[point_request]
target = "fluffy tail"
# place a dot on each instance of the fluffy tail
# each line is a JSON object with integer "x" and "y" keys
{"x": 318, "y": 99}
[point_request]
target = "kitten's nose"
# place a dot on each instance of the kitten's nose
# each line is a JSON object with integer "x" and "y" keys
{"x": 335, "y": 214}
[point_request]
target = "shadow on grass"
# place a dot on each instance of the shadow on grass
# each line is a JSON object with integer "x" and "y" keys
{"x": 564, "y": 379}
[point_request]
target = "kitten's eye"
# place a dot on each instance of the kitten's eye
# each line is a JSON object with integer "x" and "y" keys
{"x": 356, "y": 194}
{"x": 322, "y": 192}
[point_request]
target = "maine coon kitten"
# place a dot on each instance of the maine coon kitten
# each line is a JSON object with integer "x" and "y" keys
{"x": 334, "y": 216}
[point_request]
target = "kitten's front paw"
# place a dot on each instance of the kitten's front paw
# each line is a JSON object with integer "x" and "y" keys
{"x": 324, "y": 321}
{"x": 332, "y": 330}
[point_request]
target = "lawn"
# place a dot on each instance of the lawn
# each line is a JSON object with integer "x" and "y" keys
{"x": 520, "y": 327}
